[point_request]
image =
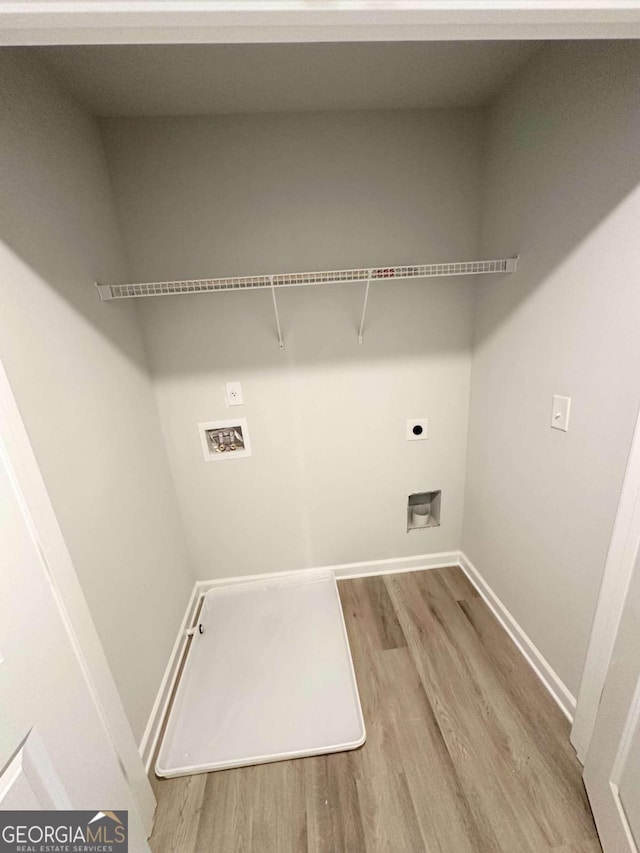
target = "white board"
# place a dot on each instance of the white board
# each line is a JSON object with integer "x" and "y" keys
{"x": 269, "y": 678}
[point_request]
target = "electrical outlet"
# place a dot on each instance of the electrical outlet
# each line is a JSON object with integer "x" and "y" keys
{"x": 560, "y": 413}
{"x": 233, "y": 394}
{"x": 417, "y": 429}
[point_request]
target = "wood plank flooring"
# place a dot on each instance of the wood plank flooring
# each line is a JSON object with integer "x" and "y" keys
{"x": 465, "y": 751}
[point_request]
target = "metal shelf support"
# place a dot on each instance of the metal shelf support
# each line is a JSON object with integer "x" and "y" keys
{"x": 364, "y": 307}
{"x": 275, "y": 310}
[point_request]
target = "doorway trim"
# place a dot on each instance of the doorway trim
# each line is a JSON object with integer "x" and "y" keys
{"x": 70, "y": 600}
{"x": 618, "y": 570}
{"x": 31, "y": 22}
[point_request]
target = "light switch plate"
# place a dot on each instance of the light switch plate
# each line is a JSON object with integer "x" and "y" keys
{"x": 233, "y": 394}
{"x": 417, "y": 429}
{"x": 560, "y": 413}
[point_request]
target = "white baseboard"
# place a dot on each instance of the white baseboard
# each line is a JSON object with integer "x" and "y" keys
{"x": 348, "y": 570}
{"x": 545, "y": 672}
{"x": 422, "y": 562}
{"x": 153, "y": 728}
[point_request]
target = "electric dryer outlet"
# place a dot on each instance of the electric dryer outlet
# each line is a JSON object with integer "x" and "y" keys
{"x": 417, "y": 429}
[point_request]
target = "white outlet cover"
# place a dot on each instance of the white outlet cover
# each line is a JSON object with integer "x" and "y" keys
{"x": 233, "y": 394}
{"x": 560, "y": 413}
{"x": 417, "y": 429}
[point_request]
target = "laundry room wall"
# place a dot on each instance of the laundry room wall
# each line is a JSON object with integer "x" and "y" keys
{"x": 331, "y": 467}
{"x": 79, "y": 373}
{"x": 562, "y": 188}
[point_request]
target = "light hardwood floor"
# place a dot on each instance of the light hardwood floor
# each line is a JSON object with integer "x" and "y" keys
{"x": 465, "y": 751}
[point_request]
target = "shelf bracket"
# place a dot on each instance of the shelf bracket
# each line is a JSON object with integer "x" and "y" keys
{"x": 364, "y": 307}
{"x": 275, "y": 311}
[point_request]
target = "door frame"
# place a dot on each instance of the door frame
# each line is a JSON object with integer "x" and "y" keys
{"x": 70, "y": 601}
{"x": 618, "y": 570}
{"x": 630, "y": 726}
{"x": 31, "y": 22}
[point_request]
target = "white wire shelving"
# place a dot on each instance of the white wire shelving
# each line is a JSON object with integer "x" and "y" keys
{"x": 366, "y": 275}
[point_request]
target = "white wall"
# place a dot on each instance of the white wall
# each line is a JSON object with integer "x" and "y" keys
{"x": 331, "y": 469}
{"x": 79, "y": 374}
{"x": 561, "y": 188}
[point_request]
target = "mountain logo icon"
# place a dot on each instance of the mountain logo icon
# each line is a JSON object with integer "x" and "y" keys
{"x": 111, "y": 815}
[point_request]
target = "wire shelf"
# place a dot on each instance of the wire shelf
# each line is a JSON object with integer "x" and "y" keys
{"x": 302, "y": 279}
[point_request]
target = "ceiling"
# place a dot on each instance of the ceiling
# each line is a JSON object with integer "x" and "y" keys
{"x": 148, "y": 80}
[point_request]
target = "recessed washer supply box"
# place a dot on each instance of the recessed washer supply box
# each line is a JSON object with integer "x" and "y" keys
{"x": 227, "y": 439}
